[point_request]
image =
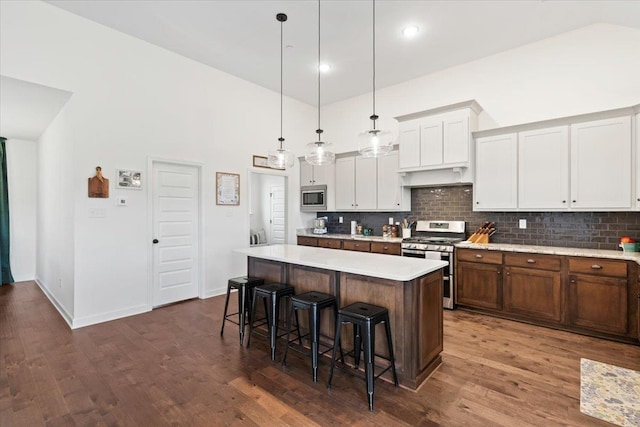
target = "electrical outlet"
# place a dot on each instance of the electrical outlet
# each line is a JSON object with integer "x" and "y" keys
{"x": 522, "y": 223}
{"x": 340, "y": 219}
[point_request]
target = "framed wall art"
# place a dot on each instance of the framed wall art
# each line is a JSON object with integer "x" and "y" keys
{"x": 129, "y": 179}
{"x": 227, "y": 189}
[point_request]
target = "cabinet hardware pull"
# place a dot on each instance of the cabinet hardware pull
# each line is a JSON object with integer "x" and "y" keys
{"x": 385, "y": 248}
{"x": 573, "y": 201}
{"x": 498, "y": 272}
{"x": 508, "y": 273}
{"x": 478, "y": 256}
{"x": 531, "y": 261}
{"x": 477, "y": 203}
{"x": 564, "y": 201}
{"x": 596, "y": 267}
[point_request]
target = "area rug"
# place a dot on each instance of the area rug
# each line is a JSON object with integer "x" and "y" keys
{"x": 610, "y": 393}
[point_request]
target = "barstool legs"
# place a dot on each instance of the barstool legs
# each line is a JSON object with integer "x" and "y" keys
{"x": 224, "y": 317}
{"x": 369, "y": 341}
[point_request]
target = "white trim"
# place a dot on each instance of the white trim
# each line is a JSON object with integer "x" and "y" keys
{"x": 110, "y": 315}
{"x": 54, "y": 301}
{"x": 214, "y": 292}
{"x": 201, "y": 217}
{"x": 273, "y": 172}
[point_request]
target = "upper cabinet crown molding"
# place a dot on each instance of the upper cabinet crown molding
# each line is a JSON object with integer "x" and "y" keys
{"x": 471, "y": 104}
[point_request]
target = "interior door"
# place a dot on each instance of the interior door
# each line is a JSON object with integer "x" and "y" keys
{"x": 278, "y": 214}
{"x": 176, "y": 227}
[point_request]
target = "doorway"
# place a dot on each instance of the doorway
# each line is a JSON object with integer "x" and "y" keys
{"x": 268, "y": 209}
{"x": 176, "y": 216}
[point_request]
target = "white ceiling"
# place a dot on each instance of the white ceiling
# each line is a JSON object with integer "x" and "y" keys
{"x": 27, "y": 109}
{"x": 242, "y": 37}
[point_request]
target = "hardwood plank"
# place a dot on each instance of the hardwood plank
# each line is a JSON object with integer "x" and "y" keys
{"x": 170, "y": 366}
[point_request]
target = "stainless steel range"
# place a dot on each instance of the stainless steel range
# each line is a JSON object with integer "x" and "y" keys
{"x": 435, "y": 240}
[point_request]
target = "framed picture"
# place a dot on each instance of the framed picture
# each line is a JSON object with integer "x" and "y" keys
{"x": 130, "y": 179}
{"x": 260, "y": 162}
{"x": 227, "y": 189}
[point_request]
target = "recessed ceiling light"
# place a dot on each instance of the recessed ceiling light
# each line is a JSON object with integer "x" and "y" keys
{"x": 324, "y": 68}
{"x": 410, "y": 31}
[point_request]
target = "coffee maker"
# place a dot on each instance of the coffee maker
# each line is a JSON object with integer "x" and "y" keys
{"x": 320, "y": 225}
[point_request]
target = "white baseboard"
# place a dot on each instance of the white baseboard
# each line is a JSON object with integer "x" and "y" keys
{"x": 110, "y": 315}
{"x": 57, "y": 304}
{"x": 215, "y": 292}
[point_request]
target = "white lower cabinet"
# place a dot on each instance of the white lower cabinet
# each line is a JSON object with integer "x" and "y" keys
{"x": 601, "y": 164}
{"x": 543, "y": 172}
{"x": 496, "y": 185}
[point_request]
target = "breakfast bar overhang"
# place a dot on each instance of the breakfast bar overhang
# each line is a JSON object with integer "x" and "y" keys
{"x": 411, "y": 289}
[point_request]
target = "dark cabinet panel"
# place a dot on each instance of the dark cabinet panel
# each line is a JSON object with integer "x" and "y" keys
{"x": 329, "y": 243}
{"x": 356, "y": 245}
{"x": 533, "y": 293}
{"x": 307, "y": 241}
{"x": 479, "y": 285}
{"x": 598, "y": 303}
{"x": 386, "y": 248}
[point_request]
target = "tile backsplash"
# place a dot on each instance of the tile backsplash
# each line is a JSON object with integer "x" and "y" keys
{"x": 593, "y": 230}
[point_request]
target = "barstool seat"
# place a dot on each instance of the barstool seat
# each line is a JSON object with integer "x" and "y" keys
{"x": 314, "y": 302}
{"x": 365, "y": 316}
{"x": 271, "y": 292}
{"x": 244, "y": 285}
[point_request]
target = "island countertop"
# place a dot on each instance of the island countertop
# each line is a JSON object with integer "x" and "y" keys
{"x": 368, "y": 264}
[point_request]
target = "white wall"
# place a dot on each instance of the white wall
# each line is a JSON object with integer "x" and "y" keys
{"x": 133, "y": 100}
{"x": 591, "y": 69}
{"x": 22, "y": 172}
{"x": 261, "y": 184}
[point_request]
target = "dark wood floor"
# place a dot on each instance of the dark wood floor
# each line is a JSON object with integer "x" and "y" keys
{"x": 171, "y": 367}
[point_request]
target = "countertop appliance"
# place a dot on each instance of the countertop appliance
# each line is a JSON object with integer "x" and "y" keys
{"x": 435, "y": 240}
{"x": 313, "y": 198}
{"x": 320, "y": 225}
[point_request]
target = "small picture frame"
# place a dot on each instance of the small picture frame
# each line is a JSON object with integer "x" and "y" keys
{"x": 260, "y": 162}
{"x": 129, "y": 179}
{"x": 227, "y": 189}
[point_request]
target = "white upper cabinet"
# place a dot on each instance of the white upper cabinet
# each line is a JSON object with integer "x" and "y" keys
{"x": 438, "y": 138}
{"x": 356, "y": 187}
{"x": 346, "y": 183}
{"x": 496, "y": 182}
{"x": 391, "y": 195}
{"x": 366, "y": 183}
{"x": 601, "y": 164}
{"x": 543, "y": 175}
{"x": 313, "y": 175}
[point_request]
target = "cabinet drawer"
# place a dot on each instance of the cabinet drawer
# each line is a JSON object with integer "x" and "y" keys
{"x": 541, "y": 262}
{"x": 485, "y": 257}
{"x": 307, "y": 241}
{"x": 330, "y": 243}
{"x": 386, "y": 248}
{"x": 355, "y": 245}
{"x": 598, "y": 267}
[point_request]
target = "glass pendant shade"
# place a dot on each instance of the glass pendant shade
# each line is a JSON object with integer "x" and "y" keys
{"x": 375, "y": 143}
{"x": 318, "y": 153}
{"x": 280, "y": 158}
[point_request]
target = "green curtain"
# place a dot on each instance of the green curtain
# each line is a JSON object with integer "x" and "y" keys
{"x": 4, "y": 216}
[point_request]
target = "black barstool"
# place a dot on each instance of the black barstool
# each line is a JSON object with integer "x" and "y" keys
{"x": 271, "y": 292}
{"x": 314, "y": 302}
{"x": 245, "y": 286}
{"x": 365, "y": 316}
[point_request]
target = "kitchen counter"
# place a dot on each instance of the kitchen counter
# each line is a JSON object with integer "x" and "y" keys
{"x": 364, "y": 263}
{"x": 307, "y": 233}
{"x": 553, "y": 250}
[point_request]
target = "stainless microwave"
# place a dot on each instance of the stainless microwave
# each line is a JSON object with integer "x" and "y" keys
{"x": 313, "y": 198}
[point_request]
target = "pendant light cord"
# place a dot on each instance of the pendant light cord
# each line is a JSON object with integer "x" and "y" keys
{"x": 281, "y": 139}
{"x": 319, "y": 130}
{"x": 374, "y": 116}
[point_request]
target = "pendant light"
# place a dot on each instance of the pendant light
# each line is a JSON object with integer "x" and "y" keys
{"x": 280, "y": 158}
{"x": 319, "y": 153}
{"x": 375, "y": 142}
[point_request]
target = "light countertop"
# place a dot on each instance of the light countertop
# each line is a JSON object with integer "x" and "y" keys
{"x": 367, "y": 264}
{"x": 308, "y": 233}
{"x": 552, "y": 250}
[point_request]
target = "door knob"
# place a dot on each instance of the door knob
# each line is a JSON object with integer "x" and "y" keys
{"x": 155, "y": 241}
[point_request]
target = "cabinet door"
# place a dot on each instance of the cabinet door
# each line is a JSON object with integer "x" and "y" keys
{"x": 456, "y": 138}
{"x": 346, "y": 184}
{"x": 431, "y": 138}
{"x": 306, "y": 173}
{"x": 543, "y": 176}
{"x": 389, "y": 188}
{"x": 479, "y": 285}
{"x": 366, "y": 183}
{"x": 601, "y": 164}
{"x": 598, "y": 303}
{"x": 410, "y": 144}
{"x": 307, "y": 241}
{"x": 533, "y": 293}
{"x": 320, "y": 175}
{"x": 496, "y": 173}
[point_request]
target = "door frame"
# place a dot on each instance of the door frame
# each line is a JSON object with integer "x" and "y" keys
{"x": 287, "y": 202}
{"x": 151, "y": 161}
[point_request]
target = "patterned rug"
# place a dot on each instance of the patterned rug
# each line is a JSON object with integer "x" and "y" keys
{"x": 610, "y": 393}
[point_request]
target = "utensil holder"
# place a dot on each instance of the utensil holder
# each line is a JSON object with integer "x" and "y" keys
{"x": 406, "y": 233}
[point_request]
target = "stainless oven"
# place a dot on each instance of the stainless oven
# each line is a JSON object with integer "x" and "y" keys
{"x": 313, "y": 198}
{"x": 435, "y": 240}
